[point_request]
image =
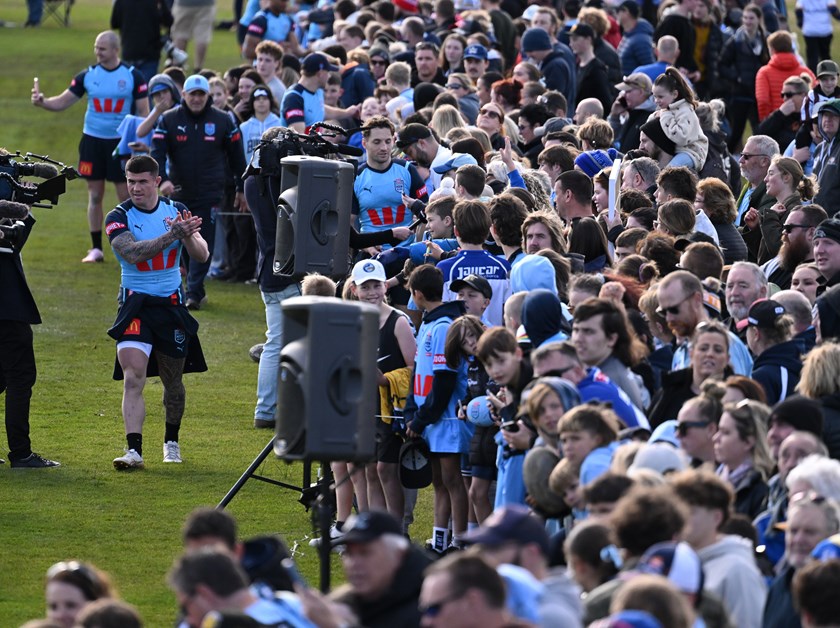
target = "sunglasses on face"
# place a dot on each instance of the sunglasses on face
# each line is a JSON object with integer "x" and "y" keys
{"x": 787, "y": 95}
{"x": 745, "y": 156}
{"x": 674, "y": 310}
{"x": 454, "y": 86}
{"x": 491, "y": 113}
{"x": 684, "y": 426}
{"x": 378, "y": 62}
{"x": 433, "y": 610}
{"x": 791, "y": 226}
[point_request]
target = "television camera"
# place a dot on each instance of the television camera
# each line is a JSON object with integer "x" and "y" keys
{"x": 18, "y": 195}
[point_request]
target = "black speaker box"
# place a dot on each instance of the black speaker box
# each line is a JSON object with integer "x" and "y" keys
{"x": 327, "y": 393}
{"x": 313, "y": 217}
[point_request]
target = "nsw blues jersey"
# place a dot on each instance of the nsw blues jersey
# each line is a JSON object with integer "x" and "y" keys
{"x": 266, "y": 25}
{"x": 111, "y": 97}
{"x": 431, "y": 341}
{"x": 495, "y": 270}
{"x": 377, "y": 198}
{"x": 161, "y": 275}
{"x": 301, "y": 105}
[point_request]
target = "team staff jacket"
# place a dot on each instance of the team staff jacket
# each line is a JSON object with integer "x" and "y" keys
{"x": 377, "y": 198}
{"x": 194, "y": 147}
{"x": 111, "y": 97}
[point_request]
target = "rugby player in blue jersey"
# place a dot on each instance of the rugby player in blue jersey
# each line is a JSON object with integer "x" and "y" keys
{"x": 148, "y": 234}
{"x": 114, "y": 90}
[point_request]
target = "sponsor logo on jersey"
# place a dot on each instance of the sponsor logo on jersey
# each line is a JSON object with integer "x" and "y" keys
{"x": 294, "y": 113}
{"x": 439, "y": 359}
{"x": 180, "y": 138}
{"x": 182, "y": 128}
{"x": 399, "y": 185}
{"x": 113, "y": 226}
{"x": 421, "y": 191}
{"x": 180, "y": 336}
{"x": 133, "y": 328}
{"x": 209, "y": 128}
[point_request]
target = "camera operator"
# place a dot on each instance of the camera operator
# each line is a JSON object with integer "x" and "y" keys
{"x": 18, "y": 313}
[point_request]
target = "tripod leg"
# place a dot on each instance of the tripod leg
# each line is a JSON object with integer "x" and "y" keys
{"x": 248, "y": 473}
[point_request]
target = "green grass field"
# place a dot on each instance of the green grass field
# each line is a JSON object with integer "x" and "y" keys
{"x": 126, "y": 523}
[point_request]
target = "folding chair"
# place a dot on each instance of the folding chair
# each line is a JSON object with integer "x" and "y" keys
{"x": 59, "y": 10}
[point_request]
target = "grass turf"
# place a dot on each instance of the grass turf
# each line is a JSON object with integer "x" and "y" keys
{"x": 126, "y": 523}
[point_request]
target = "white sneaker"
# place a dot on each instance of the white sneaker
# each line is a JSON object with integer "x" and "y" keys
{"x": 93, "y": 255}
{"x": 171, "y": 451}
{"x": 335, "y": 534}
{"x": 131, "y": 460}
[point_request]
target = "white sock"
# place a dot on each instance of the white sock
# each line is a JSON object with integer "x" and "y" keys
{"x": 440, "y": 538}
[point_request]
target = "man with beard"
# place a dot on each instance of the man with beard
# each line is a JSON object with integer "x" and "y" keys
{"x": 754, "y": 202}
{"x": 542, "y": 230}
{"x": 653, "y": 150}
{"x": 745, "y": 285}
{"x": 420, "y": 144}
{"x": 681, "y": 302}
{"x": 797, "y": 244}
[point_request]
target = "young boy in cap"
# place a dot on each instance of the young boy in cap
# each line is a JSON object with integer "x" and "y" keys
{"x": 475, "y": 292}
{"x": 431, "y": 410}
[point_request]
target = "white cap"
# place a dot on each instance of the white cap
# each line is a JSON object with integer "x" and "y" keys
{"x": 366, "y": 270}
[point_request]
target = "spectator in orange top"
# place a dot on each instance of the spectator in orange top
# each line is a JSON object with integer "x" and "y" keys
{"x": 770, "y": 79}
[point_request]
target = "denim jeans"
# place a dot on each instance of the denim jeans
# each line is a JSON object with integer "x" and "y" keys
{"x": 270, "y": 359}
{"x": 36, "y": 11}
{"x": 197, "y": 271}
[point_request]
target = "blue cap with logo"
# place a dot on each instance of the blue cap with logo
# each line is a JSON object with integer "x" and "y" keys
{"x": 196, "y": 82}
{"x": 475, "y": 51}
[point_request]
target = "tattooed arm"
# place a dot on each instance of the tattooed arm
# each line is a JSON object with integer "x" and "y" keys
{"x": 183, "y": 228}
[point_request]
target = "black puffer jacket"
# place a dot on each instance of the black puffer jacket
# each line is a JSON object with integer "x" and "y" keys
{"x": 740, "y": 61}
{"x": 831, "y": 424}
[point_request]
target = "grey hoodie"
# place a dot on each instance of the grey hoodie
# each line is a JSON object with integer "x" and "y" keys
{"x": 732, "y": 575}
{"x": 560, "y": 604}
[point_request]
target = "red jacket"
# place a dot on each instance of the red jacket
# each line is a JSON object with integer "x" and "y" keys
{"x": 770, "y": 79}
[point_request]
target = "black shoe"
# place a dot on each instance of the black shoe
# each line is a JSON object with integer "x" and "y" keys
{"x": 34, "y": 461}
{"x": 195, "y": 304}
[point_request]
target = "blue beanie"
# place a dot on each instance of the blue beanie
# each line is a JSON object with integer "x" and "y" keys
{"x": 593, "y": 161}
{"x": 535, "y": 39}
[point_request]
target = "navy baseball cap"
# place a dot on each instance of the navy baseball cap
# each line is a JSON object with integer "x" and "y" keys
{"x": 316, "y": 62}
{"x": 475, "y": 51}
{"x": 511, "y": 523}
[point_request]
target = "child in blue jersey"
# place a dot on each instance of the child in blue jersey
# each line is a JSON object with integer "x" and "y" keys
{"x": 502, "y": 358}
{"x": 461, "y": 344}
{"x": 431, "y": 411}
{"x": 472, "y": 228}
{"x": 588, "y": 435}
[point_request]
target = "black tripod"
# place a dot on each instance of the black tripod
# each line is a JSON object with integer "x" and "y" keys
{"x": 316, "y": 497}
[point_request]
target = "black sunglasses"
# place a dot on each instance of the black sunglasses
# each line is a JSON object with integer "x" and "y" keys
{"x": 491, "y": 113}
{"x": 433, "y": 610}
{"x": 746, "y": 156}
{"x": 787, "y": 228}
{"x": 378, "y": 62}
{"x": 787, "y": 95}
{"x": 454, "y": 86}
{"x": 673, "y": 309}
{"x": 684, "y": 426}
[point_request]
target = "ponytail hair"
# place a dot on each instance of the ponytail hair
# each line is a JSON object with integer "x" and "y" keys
{"x": 805, "y": 186}
{"x": 672, "y": 80}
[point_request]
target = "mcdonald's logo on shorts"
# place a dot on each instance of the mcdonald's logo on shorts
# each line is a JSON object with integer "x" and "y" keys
{"x": 85, "y": 168}
{"x": 133, "y": 328}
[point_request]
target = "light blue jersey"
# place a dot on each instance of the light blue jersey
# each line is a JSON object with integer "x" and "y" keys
{"x": 161, "y": 275}
{"x": 111, "y": 97}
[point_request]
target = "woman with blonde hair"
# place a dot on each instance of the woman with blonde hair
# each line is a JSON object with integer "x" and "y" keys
{"x": 786, "y": 181}
{"x": 820, "y": 380}
{"x": 462, "y": 87}
{"x": 491, "y": 120}
{"x": 445, "y": 118}
{"x": 744, "y": 456}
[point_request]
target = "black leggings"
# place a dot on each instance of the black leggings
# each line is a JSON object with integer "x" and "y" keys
{"x": 739, "y": 111}
{"x": 817, "y": 49}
